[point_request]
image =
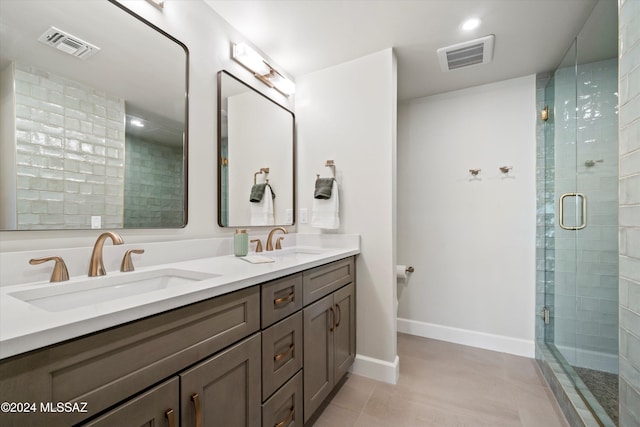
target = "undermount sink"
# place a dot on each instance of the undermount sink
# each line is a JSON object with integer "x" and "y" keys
{"x": 295, "y": 252}
{"x": 68, "y": 295}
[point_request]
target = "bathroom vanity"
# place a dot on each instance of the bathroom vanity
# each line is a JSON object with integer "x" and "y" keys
{"x": 265, "y": 354}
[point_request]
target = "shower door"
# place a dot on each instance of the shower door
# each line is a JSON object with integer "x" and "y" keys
{"x": 581, "y": 237}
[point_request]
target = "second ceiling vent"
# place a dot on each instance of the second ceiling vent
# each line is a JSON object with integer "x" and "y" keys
{"x": 466, "y": 54}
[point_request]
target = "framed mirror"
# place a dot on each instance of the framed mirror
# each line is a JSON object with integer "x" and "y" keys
{"x": 94, "y": 118}
{"x": 256, "y": 151}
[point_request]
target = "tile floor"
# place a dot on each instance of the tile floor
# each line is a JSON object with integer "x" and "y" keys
{"x": 443, "y": 384}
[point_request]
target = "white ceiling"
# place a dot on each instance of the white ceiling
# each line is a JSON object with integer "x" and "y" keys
{"x": 302, "y": 36}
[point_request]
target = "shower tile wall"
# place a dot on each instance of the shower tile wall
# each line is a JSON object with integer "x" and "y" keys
{"x": 70, "y": 152}
{"x": 586, "y": 286}
{"x": 154, "y": 185}
{"x": 629, "y": 213}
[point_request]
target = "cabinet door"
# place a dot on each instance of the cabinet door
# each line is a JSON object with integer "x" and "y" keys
{"x": 344, "y": 333}
{"x": 318, "y": 354}
{"x": 224, "y": 390}
{"x": 157, "y": 407}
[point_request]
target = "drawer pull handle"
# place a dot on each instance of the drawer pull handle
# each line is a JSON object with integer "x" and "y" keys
{"x": 170, "y": 417}
{"x": 279, "y": 357}
{"x": 196, "y": 404}
{"x": 333, "y": 319}
{"x": 287, "y": 299}
{"x": 339, "y": 315}
{"x": 287, "y": 420}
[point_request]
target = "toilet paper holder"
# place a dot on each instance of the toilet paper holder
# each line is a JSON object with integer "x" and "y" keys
{"x": 409, "y": 269}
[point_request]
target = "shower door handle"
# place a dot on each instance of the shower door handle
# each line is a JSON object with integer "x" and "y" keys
{"x": 583, "y": 213}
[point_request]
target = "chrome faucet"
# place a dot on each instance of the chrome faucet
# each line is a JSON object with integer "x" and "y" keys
{"x": 270, "y": 238}
{"x": 96, "y": 265}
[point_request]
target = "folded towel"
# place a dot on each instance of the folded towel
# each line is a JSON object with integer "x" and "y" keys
{"x": 323, "y": 188}
{"x": 257, "y": 192}
{"x": 262, "y": 212}
{"x": 325, "y": 213}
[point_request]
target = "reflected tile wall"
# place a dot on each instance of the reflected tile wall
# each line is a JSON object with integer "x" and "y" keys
{"x": 154, "y": 185}
{"x": 70, "y": 152}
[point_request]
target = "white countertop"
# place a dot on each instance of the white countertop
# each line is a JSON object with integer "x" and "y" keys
{"x": 25, "y": 327}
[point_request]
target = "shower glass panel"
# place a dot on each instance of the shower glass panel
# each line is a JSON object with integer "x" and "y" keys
{"x": 579, "y": 194}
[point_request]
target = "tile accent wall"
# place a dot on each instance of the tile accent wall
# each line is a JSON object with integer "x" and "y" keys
{"x": 586, "y": 262}
{"x": 629, "y": 213}
{"x": 154, "y": 185}
{"x": 70, "y": 152}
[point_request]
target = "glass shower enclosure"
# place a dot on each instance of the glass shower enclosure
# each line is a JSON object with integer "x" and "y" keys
{"x": 578, "y": 219}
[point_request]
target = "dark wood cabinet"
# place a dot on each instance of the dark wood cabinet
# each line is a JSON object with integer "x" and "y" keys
{"x": 224, "y": 390}
{"x": 107, "y": 367}
{"x": 344, "y": 333}
{"x": 159, "y": 406}
{"x": 205, "y": 364}
{"x": 329, "y": 345}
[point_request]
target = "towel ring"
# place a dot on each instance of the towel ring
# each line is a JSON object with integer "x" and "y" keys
{"x": 261, "y": 171}
{"x": 329, "y": 164}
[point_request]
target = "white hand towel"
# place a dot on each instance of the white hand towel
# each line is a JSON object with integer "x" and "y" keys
{"x": 262, "y": 212}
{"x": 326, "y": 212}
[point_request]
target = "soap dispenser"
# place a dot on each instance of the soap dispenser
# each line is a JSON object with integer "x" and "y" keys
{"x": 241, "y": 242}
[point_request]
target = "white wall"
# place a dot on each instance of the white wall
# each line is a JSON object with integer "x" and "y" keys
{"x": 347, "y": 113}
{"x": 253, "y": 118}
{"x": 209, "y": 39}
{"x": 471, "y": 240}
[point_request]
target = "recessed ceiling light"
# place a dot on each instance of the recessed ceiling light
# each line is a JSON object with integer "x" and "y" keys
{"x": 470, "y": 24}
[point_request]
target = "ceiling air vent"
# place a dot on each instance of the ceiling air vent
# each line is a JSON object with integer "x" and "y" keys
{"x": 68, "y": 43}
{"x": 466, "y": 54}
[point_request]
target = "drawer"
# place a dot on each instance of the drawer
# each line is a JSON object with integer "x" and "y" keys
{"x": 281, "y": 353}
{"x": 103, "y": 368}
{"x": 320, "y": 281}
{"x": 158, "y": 406}
{"x": 284, "y": 409}
{"x": 281, "y": 298}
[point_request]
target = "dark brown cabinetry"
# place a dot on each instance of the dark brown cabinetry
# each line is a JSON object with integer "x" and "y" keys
{"x": 223, "y": 390}
{"x": 157, "y": 407}
{"x": 240, "y": 359}
{"x": 329, "y": 345}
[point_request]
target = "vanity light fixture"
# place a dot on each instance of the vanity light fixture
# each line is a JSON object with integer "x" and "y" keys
{"x": 252, "y": 61}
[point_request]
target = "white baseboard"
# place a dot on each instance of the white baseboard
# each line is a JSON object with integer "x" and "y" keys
{"x": 377, "y": 369}
{"x": 504, "y": 344}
